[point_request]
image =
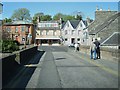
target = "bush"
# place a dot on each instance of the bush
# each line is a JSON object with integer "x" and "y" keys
{"x": 9, "y": 46}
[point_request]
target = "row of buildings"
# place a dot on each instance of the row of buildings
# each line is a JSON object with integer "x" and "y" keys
{"x": 105, "y": 27}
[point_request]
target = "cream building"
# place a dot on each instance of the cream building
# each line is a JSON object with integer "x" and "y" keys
{"x": 48, "y": 33}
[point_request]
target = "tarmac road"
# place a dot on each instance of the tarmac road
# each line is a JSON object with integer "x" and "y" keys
{"x": 62, "y": 67}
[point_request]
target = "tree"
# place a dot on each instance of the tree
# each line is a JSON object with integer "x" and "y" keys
{"x": 6, "y": 20}
{"x": 78, "y": 17}
{"x": 57, "y": 16}
{"x": 42, "y": 17}
{"x": 36, "y": 17}
{"x": 63, "y": 16}
{"x": 68, "y": 17}
{"x": 21, "y": 14}
{"x": 46, "y": 18}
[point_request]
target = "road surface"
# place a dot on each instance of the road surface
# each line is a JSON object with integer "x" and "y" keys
{"x": 62, "y": 67}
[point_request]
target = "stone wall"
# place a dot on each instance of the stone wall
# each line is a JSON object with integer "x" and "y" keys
{"x": 13, "y": 63}
{"x": 103, "y": 15}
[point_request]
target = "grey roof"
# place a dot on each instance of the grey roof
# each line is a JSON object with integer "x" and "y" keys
{"x": 113, "y": 40}
{"x": 85, "y": 22}
{"x": 17, "y": 22}
{"x": 48, "y": 22}
{"x": 48, "y": 28}
{"x": 63, "y": 24}
{"x": 74, "y": 23}
{"x": 103, "y": 25}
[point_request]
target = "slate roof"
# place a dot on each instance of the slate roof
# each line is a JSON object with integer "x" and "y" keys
{"x": 85, "y": 22}
{"x": 48, "y": 28}
{"x": 63, "y": 24}
{"x": 103, "y": 25}
{"x": 74, "y": 23}
{"x": 113, "y": 40}
{"x": 17, "y": 22}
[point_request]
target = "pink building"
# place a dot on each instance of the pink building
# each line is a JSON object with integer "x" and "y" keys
{"x": 21, "y": 31}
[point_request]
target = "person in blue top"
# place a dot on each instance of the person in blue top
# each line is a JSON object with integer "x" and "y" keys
{"x": 92, "y": 50}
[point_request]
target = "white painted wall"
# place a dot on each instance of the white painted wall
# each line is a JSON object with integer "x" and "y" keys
{"x": 75, "y": 35}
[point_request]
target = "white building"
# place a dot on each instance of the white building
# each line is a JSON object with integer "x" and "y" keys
{"x": 73, "y": 32}
{"x": 48, "y": 33}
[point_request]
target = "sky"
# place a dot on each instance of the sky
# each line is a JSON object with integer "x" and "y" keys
{"x": 52, "y": 8}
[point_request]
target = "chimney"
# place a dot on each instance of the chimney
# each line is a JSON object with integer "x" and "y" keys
{"x": 101, "y": 9}
{"x": 88, "y": 20}
{"x": 97, "y": 8}
{"x": 38, "y": 19}
{"x": 108, "y": 9}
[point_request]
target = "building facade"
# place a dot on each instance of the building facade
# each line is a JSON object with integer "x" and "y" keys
{"x": 104, "y": 25}
{"x": 48, "y": 33}
{"x": 73, "y": 32}
{"x": 21, "y": 31}
{"x": 105, "y": 28}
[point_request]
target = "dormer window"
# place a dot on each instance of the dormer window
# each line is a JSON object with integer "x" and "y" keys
{"x": 80, "y": 24}
{"x": 65, "y": 32}
{"x": 67, "y": 24}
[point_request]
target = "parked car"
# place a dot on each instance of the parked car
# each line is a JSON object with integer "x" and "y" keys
{"x": 71, "y": 45}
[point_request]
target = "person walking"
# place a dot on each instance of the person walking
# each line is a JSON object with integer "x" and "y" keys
{"x": 97, "y": 43}
{"x": 76, "y": 47}
{"x": 93, "y": 50}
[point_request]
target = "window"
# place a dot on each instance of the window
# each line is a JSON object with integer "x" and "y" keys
{"x": 73, "y": 31}
{"x": 79, "y": 32}
{"x": 78, "y": 39}
{"x": 65, "y": 32}
{"x": 27, "y": 29}
{"x": 16, "y": 29}
{"x": 67, "y": 24}
{"x": 41, "y": 32}
{"x": 47, "y": 32}
{"x": 53, "y": 33}
{"x": 65, "y": 39}
{"x": 22, "y": 29}
{"x": 80, "y": 24}
{"x": 8, "y": 29}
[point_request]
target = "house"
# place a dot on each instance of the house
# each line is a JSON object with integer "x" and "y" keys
{"x": 48, "y": 33}
{"x": 104, "y": 25}
{"x": 112, "y": 41}
{"x": 22, "y": 31}
{"x": 72, "y": 32}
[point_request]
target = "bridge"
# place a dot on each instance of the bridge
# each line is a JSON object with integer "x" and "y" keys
{"x": 58, "y": 67}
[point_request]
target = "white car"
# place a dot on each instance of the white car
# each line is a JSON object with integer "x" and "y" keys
{"x": 72, "y": 45}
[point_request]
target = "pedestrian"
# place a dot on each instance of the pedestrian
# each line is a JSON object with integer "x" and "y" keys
{"x": 93, "y": 50}
{"x": 76, "y": 47}
{"x": 97, "y": 43}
